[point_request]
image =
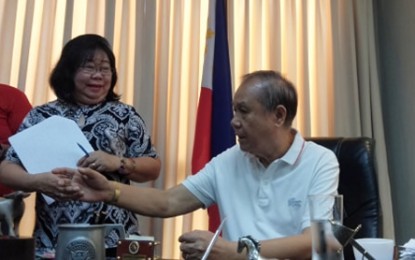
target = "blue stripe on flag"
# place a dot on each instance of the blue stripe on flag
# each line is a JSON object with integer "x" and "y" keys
{"x": 223, "y": 135}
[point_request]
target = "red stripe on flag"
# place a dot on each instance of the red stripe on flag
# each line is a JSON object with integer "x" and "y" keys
{"x": 201, "y": 146}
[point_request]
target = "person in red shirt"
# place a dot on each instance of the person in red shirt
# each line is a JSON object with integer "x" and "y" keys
{"x": 14, "y": 106}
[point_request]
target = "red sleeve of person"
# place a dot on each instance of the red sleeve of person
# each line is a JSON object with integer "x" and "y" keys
{"x": 14, "y": 106}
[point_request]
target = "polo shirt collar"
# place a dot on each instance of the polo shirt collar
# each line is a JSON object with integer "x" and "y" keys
{"x": 292, "y": 155}
{"x": 294, "y": 152}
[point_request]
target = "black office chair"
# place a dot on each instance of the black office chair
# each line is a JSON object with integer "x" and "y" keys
{"x": 358, "y": 184}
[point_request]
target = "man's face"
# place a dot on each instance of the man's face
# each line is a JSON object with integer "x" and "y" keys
{"x": 253, "y": 124}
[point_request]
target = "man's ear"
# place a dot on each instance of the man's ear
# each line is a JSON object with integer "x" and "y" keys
{"x": 280, "y": 113}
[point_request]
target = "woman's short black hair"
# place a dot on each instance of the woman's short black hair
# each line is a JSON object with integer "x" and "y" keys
{"x": 74, "y": 54}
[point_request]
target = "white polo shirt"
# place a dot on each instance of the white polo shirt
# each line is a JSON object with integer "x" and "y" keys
{"x": 266, "y": 202}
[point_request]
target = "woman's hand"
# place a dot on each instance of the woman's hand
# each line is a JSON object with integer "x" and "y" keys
{"x": 100, "y": 161}
{"x": 56, "y": 183}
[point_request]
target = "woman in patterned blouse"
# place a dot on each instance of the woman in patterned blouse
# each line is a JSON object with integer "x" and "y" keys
{"x": 83, "y": 81}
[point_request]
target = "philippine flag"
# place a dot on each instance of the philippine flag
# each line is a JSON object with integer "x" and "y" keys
{"x": 214, "y": 133}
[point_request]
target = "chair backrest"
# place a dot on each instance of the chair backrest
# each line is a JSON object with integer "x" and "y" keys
{"x": 358, "y": 184}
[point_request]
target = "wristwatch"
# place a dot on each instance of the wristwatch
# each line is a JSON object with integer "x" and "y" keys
{"x": 252, "y": 246}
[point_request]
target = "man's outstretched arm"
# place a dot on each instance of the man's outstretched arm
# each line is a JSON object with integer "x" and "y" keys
{"x": 93, "y": 186}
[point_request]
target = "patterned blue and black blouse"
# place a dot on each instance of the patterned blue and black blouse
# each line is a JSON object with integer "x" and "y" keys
{"x": 112, "y": 127}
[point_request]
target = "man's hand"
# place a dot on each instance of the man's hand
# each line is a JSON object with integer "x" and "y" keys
{"x": 93, "y": 185}
{"x": 194, "y": 244}
{"x": 87, "y": 184}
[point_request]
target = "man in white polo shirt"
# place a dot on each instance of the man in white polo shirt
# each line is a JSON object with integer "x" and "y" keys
{"x": 261, "y": 184}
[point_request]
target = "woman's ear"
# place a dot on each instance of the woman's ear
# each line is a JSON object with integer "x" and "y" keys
{"x": 280, "y": 113}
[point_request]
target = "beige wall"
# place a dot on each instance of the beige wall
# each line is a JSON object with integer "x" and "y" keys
{"x": 27, "y": 223}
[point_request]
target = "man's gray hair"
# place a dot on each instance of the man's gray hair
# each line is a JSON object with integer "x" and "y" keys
{"x": 275, "y": 90}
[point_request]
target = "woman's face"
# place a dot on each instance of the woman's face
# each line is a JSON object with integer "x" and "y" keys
{"x": 93, "y": 80}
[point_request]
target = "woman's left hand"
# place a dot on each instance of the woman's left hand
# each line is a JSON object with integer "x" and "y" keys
{"x": 100, "y": 161}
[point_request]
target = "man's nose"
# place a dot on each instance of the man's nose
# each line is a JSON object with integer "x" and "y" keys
{"x": 235, "y": 122}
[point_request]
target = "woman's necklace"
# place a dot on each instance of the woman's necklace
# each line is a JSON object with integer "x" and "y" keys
{"x": 83, "y": 115}
{"x": 85, "y": 110}
{"x": 81, "y": 120}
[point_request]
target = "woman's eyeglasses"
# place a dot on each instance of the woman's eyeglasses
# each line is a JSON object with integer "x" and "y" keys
{"x": 91, "y": 69}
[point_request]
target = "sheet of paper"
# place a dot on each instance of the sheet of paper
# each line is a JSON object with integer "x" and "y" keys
{"x": 50, "y": 144}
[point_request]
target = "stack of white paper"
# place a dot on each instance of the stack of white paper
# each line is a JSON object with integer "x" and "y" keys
{"x": 50, "y": 144}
